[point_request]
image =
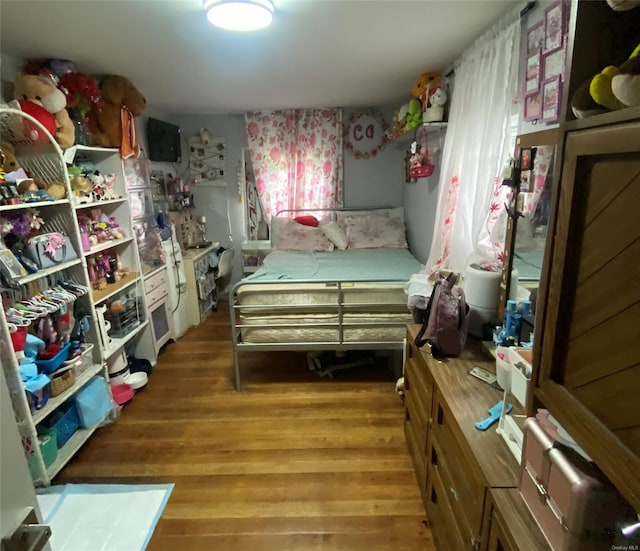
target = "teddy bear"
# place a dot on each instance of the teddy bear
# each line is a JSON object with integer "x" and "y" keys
{"x": 8, "y": 160}
{"x": 424, "y": 87}
{"x": 10, "y": 163}
{"x": 39, "y": 97}
{"x": 121, "y": 102}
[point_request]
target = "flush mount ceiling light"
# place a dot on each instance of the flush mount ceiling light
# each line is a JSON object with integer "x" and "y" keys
{"x": 239, "y": 15}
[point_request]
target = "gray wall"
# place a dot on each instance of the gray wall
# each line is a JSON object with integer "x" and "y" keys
{"x": 378, "y": 181}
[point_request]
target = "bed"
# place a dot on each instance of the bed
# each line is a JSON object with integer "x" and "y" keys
{"x": 338, "y": 286}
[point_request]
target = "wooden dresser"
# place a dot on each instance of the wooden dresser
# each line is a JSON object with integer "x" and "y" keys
{"x": 457, "y": 466}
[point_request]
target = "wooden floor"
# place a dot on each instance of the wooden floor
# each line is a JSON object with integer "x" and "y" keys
{"x": 292, "y": 462}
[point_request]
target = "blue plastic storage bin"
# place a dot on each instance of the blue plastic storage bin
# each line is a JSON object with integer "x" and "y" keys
{"x": 93, "y": 402}
{"x": 50, "y": 365}
{"x": 64, "y": 420}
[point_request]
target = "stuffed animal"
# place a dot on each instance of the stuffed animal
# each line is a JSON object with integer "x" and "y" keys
{"x": 623, "y": 5}
{"x": 425, "y": 86}
{"x": 122, "y": 101}
{"x": 414, "y": 115}
{"x": 435, "y": 111}
{"x": 38, "y": 96}
{"x": 8, "y": 160}
{"x": 625, "y": 85}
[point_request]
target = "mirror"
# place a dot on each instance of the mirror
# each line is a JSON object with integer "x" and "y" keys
{"x": 528, "y": 220}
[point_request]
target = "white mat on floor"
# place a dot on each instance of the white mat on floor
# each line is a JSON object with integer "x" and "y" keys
{"x": 102, "y": 517}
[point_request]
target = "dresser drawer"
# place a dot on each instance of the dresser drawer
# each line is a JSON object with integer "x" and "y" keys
{"x": 464, "y": 479}
{"x": 416, "y": 434}
{"x": 158, "y": 280}
{"x": 156, "y": 295}
{"x": 421, "y": 411}
{"x": 420, "y": 379}
{"x": 442, "y": 520}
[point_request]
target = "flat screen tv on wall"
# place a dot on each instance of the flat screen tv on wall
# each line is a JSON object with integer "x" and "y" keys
{"x": 163, "y": 139}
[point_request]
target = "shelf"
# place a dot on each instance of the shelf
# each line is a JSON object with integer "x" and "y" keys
{"x": 57, "y": 401}
{"x": 67, "y": 451}
{"x": 112, "y": 288}
{"x": 48, "y": 271}
{"x": 93, "y": 204}
{"x": 69, "y": 154}
{"x": 36, "y": 204}
{"x": 406, "y": 138}
{"x": 117, "y": 344}
{"x": 107, "y": 245}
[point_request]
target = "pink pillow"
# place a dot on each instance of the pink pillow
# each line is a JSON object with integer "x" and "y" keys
{"x": 375, "y": 231}
{"x": 288, "y": 235}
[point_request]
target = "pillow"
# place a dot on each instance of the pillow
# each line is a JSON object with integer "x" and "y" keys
{"x": 307, "y": 220}
{"x": 288, "y": 235}
{"x": 395, "y": 212}
{"x": 375, "y": 231}
{"x": 334, "y": 233}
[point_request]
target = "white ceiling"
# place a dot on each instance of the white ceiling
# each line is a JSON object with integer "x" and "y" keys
{"x": 317, "y": 53}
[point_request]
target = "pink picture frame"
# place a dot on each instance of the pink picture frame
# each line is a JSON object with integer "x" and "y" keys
{"x": 554, "y": 23}
{"x": 551, "y": 96}
{"x": 533, "y": 107}
{"x": 533, "y": 71}
{"x": 553, "y": 64}
{"x": 535, "y": 37}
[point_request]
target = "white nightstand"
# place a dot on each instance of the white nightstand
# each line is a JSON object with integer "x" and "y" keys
{"x": 253, "y": 253}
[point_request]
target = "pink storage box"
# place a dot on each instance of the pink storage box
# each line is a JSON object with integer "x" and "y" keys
{"x": 572, "y": 502}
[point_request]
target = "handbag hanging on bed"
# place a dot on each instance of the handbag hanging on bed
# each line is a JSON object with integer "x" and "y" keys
{"x": 446, "y": 319}
{"x": 420, "y": 164}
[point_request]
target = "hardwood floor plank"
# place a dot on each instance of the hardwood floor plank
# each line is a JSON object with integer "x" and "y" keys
{"x": 292, "y": 462}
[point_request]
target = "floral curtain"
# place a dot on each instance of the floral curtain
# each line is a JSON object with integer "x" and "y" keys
{"x": 477, "y": 143}
{"x": 297, "y": 158}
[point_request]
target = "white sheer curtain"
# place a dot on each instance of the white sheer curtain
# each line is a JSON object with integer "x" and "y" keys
{"x": 477, "y": 143}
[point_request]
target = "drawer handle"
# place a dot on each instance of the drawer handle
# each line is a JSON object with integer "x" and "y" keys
{"x": 440, "y": 415}
{"x": 453, "y": 493}
{"x": 434, "y": 497}
{"x": 434, "y": 457}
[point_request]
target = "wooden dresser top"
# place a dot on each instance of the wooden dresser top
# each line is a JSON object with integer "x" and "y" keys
{"x": 469, "y": 400}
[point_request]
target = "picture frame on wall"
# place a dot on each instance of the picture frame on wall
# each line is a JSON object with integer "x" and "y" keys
{"x": 532, "y": 107}
{"x": 532, "y": 74}
{"x": 553, "y": 64}
{"x": 551, "y": 96}
{"x": 535, "y": 37}
{"x": 553, "y": 27}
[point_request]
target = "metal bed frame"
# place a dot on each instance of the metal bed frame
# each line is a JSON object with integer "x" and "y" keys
{"x": 337, "y": 307}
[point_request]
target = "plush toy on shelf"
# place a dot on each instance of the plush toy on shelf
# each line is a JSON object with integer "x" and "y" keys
{"x": 414, "y": 115}
{"x": 626, "y": 84}
{"x": 424, "y": 87}
{"x": 122, "y": 102}
{"x": 39, "y": 97}
{"x": 435, "y": 111}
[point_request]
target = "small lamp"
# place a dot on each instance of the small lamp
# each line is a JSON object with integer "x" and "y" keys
{"x": 240, "y": 15}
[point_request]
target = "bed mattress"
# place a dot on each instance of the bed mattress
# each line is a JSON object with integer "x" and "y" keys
{"x": 328, "y": 288}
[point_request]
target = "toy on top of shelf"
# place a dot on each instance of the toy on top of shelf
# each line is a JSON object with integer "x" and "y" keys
{"x": 122, "y": 102}
{"x": 626, "y": 84}
{"x": 38, "y": 96}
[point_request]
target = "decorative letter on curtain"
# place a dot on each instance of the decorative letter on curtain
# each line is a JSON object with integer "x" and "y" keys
{"x": 297, "y": 158}
{"x": 476, "y": 146}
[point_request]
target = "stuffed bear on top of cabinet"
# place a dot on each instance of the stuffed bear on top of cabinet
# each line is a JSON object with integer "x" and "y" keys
{"x": 122, "y": 102}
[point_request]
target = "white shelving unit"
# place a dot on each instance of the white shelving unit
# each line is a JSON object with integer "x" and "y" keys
{"x": 48, "y": 162}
